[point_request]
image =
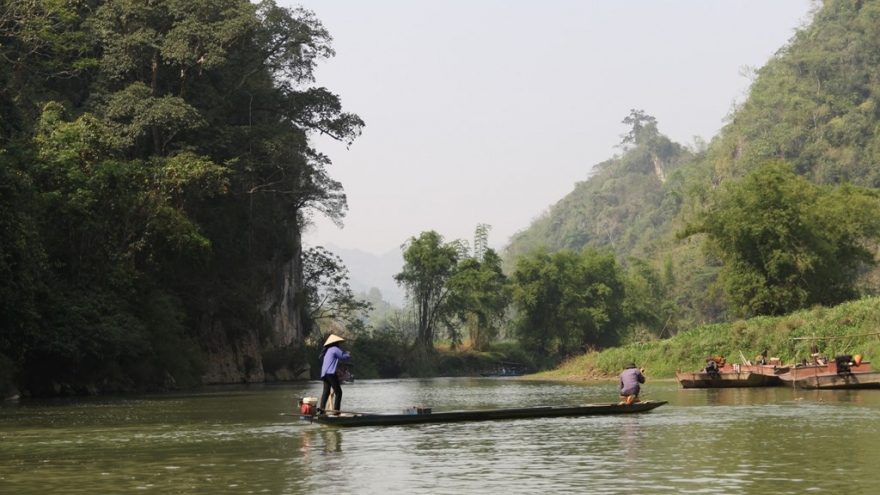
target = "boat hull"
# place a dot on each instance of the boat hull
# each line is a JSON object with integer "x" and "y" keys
{"x": 727, "y": 380}
{"x": 732, "y": 375}
{"x": 368, "y": 419}
{"x": 840, "y": 382}
{"x": 827, "y": 376}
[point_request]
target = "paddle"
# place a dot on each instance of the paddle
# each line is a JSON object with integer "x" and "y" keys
{"x": 660, "y": 335}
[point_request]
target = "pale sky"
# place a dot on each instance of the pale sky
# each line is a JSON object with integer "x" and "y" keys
{"x": 489, "y": 111}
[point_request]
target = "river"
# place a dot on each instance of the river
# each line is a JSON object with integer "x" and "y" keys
{"x": 246, "y": 440}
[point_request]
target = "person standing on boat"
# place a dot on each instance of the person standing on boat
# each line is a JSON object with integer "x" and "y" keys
{"x": 330, "y": 356}
{"x": 630, "y": 383}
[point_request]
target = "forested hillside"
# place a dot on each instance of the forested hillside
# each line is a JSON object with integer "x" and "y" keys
{"x": 815, "y": 104}
{"x": 155, "y": 175}
{"x": 782, "y": 199}
{"x": 626, "y": 203}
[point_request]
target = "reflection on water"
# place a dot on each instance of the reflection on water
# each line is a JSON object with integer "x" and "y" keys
{"x": 324, "y": 441}
{"x": 237, "y": 440}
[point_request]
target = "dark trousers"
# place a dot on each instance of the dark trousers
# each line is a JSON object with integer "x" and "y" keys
{"x": 331, "y": 381}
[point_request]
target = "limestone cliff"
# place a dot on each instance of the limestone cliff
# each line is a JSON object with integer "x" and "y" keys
{"x": 230, "y": 357}
{"x": 281, "y": 305}
{"x": 236, "y": 356}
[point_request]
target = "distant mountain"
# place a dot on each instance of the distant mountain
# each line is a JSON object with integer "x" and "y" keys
{"x": 367, "y": 270}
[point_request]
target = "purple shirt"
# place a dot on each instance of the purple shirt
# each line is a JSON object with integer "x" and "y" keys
{"x": 630, "y": 380}
{"x": 331, "y": 360}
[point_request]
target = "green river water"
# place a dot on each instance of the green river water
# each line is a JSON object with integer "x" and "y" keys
{"x": 247, "y": 440}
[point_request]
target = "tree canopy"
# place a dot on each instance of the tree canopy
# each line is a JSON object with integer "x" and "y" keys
{"x": 157, "y": 172}
{"x": 786, "y": 243}
{"x": 813, "y": 106}
{"x": 478, "y": 296}
{"x": 327, "y": 292}
{"x": 568, "y": 301}
{"x": 428, "y": 264}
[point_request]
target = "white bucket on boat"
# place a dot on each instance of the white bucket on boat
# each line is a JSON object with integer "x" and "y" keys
{"x": 312, "y": 401}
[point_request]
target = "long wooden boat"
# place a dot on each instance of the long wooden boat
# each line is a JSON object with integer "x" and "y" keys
{"x": 370, "y": 419}
{"x": 835, "y": 374}
{"x": 734, "y": 375}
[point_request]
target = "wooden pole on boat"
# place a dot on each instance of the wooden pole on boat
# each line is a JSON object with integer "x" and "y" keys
{"x": 660, "y": 335}
{"x": 645, "y": 365}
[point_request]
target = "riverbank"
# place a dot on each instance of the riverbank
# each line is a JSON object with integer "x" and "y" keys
{"x": 850, "y": 328}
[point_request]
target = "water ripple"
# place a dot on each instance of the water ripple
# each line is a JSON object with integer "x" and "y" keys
{"x": 768, "y": 441}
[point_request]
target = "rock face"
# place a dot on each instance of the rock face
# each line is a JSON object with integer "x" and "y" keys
{"x": 236, "y": 357}
{"x": 281, "y": 305}
{"x": 230, "y": 359}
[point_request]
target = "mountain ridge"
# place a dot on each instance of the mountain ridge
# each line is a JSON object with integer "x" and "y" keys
{"x": 368, "y": 270}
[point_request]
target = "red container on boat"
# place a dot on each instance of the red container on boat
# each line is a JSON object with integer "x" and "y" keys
{"x": 306, "y": 409}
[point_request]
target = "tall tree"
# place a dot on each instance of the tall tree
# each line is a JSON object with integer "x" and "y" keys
{"x": 647, "y": 308}
{"x": 786, "y": 243}
{"x": 568, "y": 301}
{"x": 163, "y": 172}
{"x": 329, "y": 296}
{"x": 643, "y": 129}
{"x": 478, "y": 297}
{"x": 428, "y": 263}
{"x": 481, "y": 240}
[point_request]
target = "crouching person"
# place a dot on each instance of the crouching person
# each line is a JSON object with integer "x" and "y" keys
{"x": 630, "y": 383}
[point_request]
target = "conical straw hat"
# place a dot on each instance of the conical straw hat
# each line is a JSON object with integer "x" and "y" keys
{"x": 333, "y": 338}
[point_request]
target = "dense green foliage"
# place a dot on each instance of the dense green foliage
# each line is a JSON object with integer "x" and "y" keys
{"x": 553, "y": 304}
{"x": 814, "y": 104}
{"x": 786, "y": 243}
{"x": 630, "y": 204}
{"x": 155, "y": 163}
{"x": 478, "y": 299}
{"x": 477, "y": 294}
{"x": 156, "y": 174}
{"x": 774, "y": 241}
{"x": 849, "y": 328}
{"x": 568, "y": 302}
{"x": 777, "y": 213}
{"x": 626, "y": 202}
{"x": 428, "y": 265}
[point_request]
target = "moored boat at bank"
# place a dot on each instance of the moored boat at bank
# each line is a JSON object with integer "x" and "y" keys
{"x": 842, "y": 372}
{"x": 720, "y": 374}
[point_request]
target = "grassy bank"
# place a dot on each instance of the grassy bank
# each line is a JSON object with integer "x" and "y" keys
{"x": 687, "y": 351}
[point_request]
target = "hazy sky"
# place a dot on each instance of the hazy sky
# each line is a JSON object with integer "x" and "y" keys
{"x": 489, "y": 111}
